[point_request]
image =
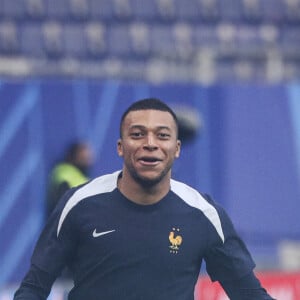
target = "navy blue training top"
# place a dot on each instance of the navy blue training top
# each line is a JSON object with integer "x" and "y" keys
{"x": 117, "y": 249}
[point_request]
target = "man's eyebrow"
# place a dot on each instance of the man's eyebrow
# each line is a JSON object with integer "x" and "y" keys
{"x": 164, "y": 127}
{"x": 136, "y": 126}
{"x": 144, "y": 127}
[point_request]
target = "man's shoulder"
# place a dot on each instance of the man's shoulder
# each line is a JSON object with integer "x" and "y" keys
{"x": 200, "y": 202}
{"x": 97, "y": 186}
{"x": 100, "y": 185}
{"x": 187, "y": 192}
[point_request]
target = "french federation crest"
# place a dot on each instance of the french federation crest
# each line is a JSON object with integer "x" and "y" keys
{"x": 175, "y": 240}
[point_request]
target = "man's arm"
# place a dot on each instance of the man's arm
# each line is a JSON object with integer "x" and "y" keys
{"x": 245, "y": 288}
{"x": 36, "y": 285}
{"x": 230, "y": 263}
{"x": 50, "y": 256}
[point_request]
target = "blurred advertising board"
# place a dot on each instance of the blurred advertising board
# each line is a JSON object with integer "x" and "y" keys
{"x": 280, "y": 285}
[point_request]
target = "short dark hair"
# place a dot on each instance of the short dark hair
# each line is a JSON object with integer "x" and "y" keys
{"x": 146, "y": 104}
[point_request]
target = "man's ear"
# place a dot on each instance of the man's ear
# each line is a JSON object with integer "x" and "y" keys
{"x": 120, "y": 147}
{"x": 178, "y": 147}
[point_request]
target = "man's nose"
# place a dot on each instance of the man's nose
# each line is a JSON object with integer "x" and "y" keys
{"x": 150, "y": 142}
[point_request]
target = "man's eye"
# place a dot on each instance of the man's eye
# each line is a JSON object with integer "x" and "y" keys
{"x": 136, "y": 134}
{"x": 164, "y": 135}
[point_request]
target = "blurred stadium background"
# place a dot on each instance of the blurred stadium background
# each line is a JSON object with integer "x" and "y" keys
{"x": 231, "y": 68}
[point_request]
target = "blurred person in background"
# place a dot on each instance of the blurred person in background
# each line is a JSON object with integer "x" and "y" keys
{"x": 72, "y": 171}
{"x": 138, "y": 234}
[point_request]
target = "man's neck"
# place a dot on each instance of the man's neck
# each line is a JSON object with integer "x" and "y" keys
{"x": 143, "y": 195}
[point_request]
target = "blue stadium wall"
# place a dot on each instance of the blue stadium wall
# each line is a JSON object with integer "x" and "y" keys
{"x": 247, "y": 154}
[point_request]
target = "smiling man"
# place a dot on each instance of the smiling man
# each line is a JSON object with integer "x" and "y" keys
{"x": 148, "y": 144}
{"x": 137, "y": 234}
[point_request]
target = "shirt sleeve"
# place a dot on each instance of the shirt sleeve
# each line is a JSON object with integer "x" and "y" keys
{"x": 36, "y": 285}
{"x": 231, "y": 264}
{"x": 51, "y": 254}
{"x": 228, "y": 260}
{"x": 245, "y": 288}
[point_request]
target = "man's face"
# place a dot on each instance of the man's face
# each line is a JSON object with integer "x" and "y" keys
{"x": 149, "y": 145}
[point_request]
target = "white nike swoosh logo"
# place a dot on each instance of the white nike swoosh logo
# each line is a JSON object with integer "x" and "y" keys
{"x": 97, "y": 234}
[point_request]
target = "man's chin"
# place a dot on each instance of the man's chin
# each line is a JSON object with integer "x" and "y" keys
{"x": 148, "y": 181}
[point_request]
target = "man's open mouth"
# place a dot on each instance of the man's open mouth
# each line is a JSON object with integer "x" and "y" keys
{"x": 149, "y": 159}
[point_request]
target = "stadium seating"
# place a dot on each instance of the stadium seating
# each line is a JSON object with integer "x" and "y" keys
{"x": 134, "y": 30}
